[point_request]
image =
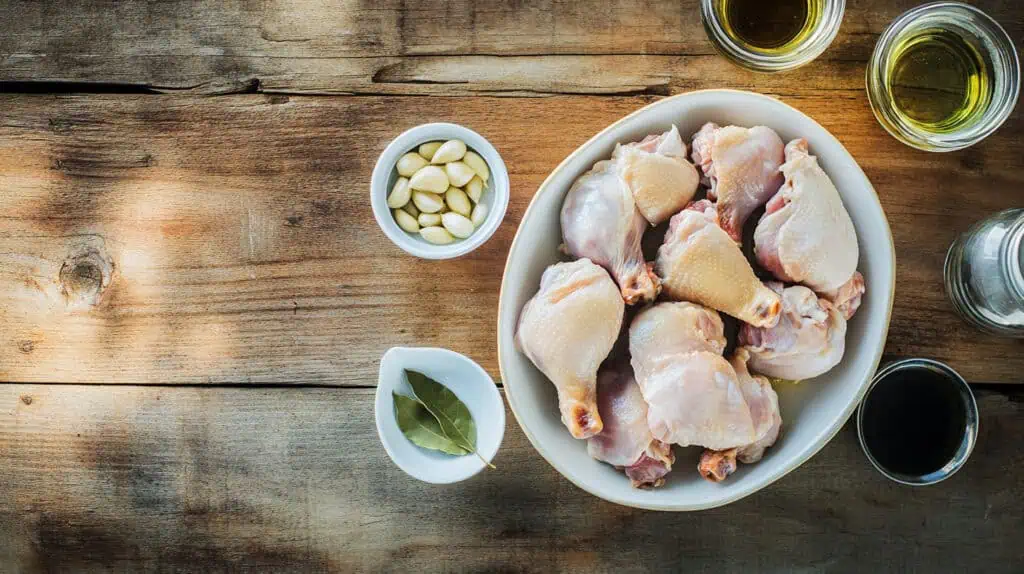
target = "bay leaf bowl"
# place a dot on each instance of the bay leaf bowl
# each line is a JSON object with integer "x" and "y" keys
{"x": 813, "y": 411}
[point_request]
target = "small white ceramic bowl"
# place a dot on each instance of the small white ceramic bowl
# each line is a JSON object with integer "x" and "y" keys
{"x": 470, "y": 383}
{"x": 495, "y": 195}
{"x": 812, "y": 411}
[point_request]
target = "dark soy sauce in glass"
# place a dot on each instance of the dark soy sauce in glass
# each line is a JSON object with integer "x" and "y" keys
{"x": 914, "y": 420}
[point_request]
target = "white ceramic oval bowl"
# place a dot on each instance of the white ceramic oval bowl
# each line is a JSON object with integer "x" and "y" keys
{"x": 495, "y": 194}
{"x": 470, "y": 383}
{"x": 813, "y": 411}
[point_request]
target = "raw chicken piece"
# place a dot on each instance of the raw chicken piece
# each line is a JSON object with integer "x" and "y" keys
{"x": 847, "y": 298}
{"x": 742, "y": 167}
{"x": 764, "y": 408}
{"x": 806, "y": 236}
{"x": 663, "y": 181}
{"x": 699, "y": 262}
{"x": 567, "y": 330}
{"x": 626, "y": 441}
{"x": 716, "y": 465}
{"x": 808, "y": 341}
{"x": 600, "y": 221}
{"x": 693, "y": 394}
{"x": 669, "y": 330}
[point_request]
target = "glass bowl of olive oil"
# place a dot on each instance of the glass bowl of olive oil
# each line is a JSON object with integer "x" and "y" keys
{"x": 943, "y": 76}
{"x": 772, "y": 36}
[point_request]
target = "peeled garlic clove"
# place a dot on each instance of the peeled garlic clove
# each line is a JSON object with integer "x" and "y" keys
{"x": 430, "y": 178}
{"x": 427, "y": 202}
{"x": 428, "y": 149}
{"x": 429, "y": 219}
{"x": 451, "y": 150}
{"x": 458, "y": 201}
{"x": 406, "y": 221}
{"x": 458, "y": 225}
{"x": 479, "y": 215}
{"x": 410, "y": 208}
{"x": 410, "y": 163}
{"x": 475, "y": 188}
{"x": 400, "y": 194}
{"x": 458, "y": 173}
{"x": 477, "y": 164}
{"x": 436, "y": 235}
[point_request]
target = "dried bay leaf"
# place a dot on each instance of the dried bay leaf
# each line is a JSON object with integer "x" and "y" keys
{"x": 452, "y": 414}
{"x": 422, "y": 428}
{"x": 442, "y": 403}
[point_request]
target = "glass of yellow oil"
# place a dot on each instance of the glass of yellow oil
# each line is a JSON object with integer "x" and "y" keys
{"x": 772, "y": 35}
{"x": 943, "y": 76}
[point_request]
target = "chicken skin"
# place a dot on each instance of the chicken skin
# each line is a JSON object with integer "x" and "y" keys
{"x": 806, "y": 235}
{"x": 716, "y": 465}
{"x": 663, "y": 181}
{"x": 848, "y": 296}
{"x": 626, "y": 441}
{"x": 808, "y": 341}
{"x": 742, "y": 167}
{"x": 699, "y": 262}
{"x": 567, "y": 329}
{"x": 600, "y": 221}
{"x": 693, "y": 394}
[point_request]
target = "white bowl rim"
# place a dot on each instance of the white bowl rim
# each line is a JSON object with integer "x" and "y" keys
{"x": 407, "y": 141}
{"x": 488, "y": 390}
{"x": 822, "y": 439}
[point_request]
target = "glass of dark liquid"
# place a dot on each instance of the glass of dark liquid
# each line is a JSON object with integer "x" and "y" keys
{"x": 918, "y": 422}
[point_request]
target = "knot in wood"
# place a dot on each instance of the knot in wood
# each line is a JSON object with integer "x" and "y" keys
{"x": 84, "y": 277}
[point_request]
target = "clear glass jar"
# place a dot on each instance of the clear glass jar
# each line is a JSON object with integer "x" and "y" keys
{"x": 984, "y": 274}
{"x": 818, "y": 31}
{"x": 984, "y": 36}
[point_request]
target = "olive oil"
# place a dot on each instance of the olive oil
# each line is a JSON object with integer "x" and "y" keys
{"x": 769, "y": 26}
{"x": 943, "y": 76}
{"x": 939, "y": 81}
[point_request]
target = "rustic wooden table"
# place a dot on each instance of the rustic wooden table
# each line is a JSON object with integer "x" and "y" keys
{"x": 194, "y": 294}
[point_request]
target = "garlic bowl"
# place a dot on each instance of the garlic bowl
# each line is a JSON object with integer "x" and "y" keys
{"x": 494, "y": 196}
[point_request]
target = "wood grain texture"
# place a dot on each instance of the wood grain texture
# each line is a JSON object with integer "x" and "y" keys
{"x": 412, "y": 47}
{"x": 131, "y": 478}
{"x": 149, "y": 239}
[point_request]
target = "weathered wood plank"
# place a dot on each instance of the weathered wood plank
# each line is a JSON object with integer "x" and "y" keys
{"x": 365, "y": 46}
{"x": 239, "y": 246}
{"x": 130, "y": 478}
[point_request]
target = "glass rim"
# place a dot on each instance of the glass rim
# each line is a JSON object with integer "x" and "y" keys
{"x": 806, "y": 51}
{"x": 1014, "y": 263}
{"x": 879, "y": 94}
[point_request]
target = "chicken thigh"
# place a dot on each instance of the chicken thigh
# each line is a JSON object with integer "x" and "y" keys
{"x": 808, "y": 341}
{"x": 742, "y": 167}
{"x": 663, "y": 181}
{"x": 626, "y": 441}
{"x": 693, "y": 394}
{"x": 806, "y": 236}
{"x": 600, "y": 221}
{"x": 716, "y": 465}
{"x": 699, "y": 262}
{"x": 567, "y": 329}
